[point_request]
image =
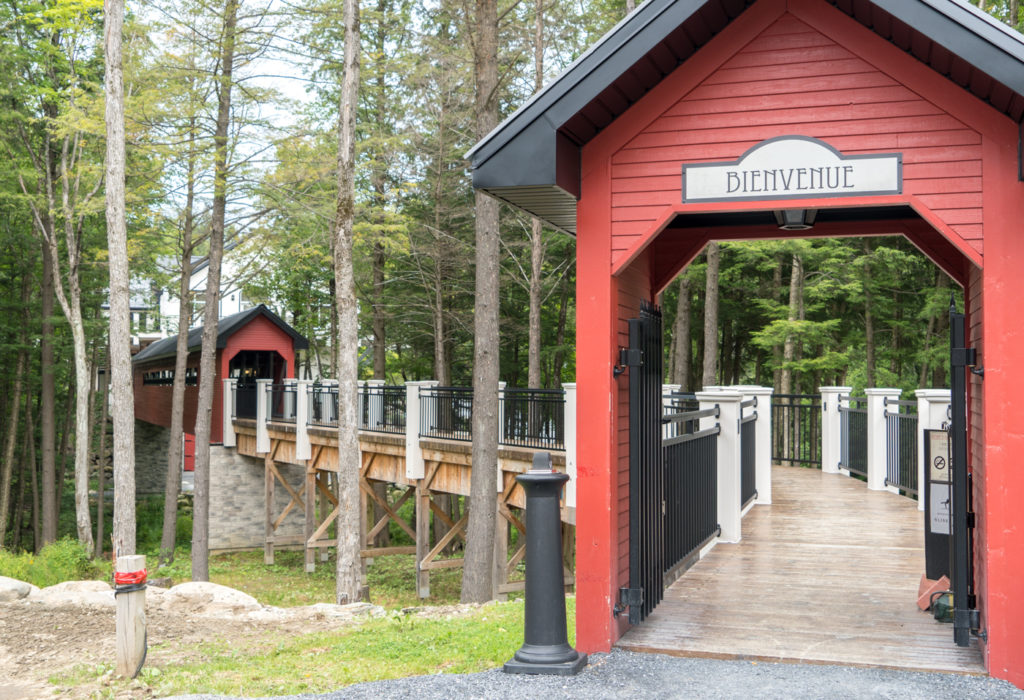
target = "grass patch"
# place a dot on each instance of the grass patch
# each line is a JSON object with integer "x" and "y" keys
{"x": 392, "y": 647}
{"x": 63, "y": 560}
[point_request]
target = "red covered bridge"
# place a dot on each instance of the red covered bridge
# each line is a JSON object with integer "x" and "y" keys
{"x": 705, "y": 120}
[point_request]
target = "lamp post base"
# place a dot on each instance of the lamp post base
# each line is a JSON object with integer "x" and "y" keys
{"x": 565, "y": 668}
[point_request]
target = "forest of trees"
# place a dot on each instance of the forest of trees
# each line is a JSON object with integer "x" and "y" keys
{"x": 233, "y": 141}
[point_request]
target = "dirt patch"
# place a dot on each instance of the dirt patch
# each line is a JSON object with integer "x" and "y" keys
{"x": 39, "y": 641}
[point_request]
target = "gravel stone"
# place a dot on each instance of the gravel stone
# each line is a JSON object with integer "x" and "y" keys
{"x": 623, "y": 674}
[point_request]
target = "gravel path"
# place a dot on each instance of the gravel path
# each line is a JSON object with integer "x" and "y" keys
{"x": 623, "y": 674}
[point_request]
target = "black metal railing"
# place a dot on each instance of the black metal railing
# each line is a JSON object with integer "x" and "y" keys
{"x": 446, "y": 412}
{"x": 281, "y": 403}
{"x": 853, "y": 435}
{"x": 901, "y": 445}
{"x": 690, "y": 487}
{"x": 533, "y": 418}
{"x": 323, "y": 406}
{"x": 245, "y": 401}
{"x": 796, "y": 429}
{"x": 748, "y": 454}
{"x": 382, "y": 409}
{"x": 672, "y": 405}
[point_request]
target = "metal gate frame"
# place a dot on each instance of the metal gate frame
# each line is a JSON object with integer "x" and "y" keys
{"x": 646, "y": 465}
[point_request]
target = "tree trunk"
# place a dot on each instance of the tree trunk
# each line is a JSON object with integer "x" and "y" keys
{"x": 208, "y": 356}
{"x": 710, "y": 374}
{"x": 380, "y": 354}
{"x": 869, "y": 321}
{"x": 478, "y": 569}
{"x": 47, "y": 407}
{"x": 563, "y": 316}
{"x": 789, "y": 347}
{"x": 172, "y": 483}
{"x": 348, "y": 573}
{"x": 681, "y": 336}
{"x": 37, "y": 533}
{"x": 122, "y": 406}
{"x": 533, "y": 379}
{"x": 11, "y": 438}
{"x": 101, "y": 464}
{"x": 777, "y": 347}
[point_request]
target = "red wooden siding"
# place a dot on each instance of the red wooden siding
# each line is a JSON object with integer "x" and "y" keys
{"x": 153, "y": 402}
{"x": 792, "y": 79}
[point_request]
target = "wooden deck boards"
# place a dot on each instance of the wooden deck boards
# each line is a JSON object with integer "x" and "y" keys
{"x": 826, "y": 574}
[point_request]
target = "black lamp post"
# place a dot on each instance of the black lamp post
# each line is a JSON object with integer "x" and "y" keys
{"x": 546, "y": 647}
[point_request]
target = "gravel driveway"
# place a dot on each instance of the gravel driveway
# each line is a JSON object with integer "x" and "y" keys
{"x": 623, "y": 674}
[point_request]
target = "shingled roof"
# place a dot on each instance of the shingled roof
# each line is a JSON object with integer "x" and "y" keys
{"x": 226, "y": 327}
{"x": 531, "y": 160}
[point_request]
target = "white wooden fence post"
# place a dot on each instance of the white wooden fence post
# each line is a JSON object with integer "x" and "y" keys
{"x": 415, "y": 468}
{"x": 762, "y": 440}
{"x": 570, "y": 443}
{"x": 932, "y": 405}
{"x": 229, "y": 412}
{"x": 728, "y": 441}
{"x": 877, "y": 435}
{"x": 303, "y": 449}
{"x": 262, "y": 399}
{"x": 831, "y": 430}
{"x": 131, "y": 616}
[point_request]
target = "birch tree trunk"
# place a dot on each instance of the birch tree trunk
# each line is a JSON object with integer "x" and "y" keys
{"x": 348, "y": 574}
{"x": 869, "y": 319}
{"x": 172, "y": 484}
{"x": 47, "y": 408}
{"x": 681, "y": 337}
{"x": 710, "y": 374}
{"x": 122, "y": 403}
{"x": 478, "y": 569}
{"x": 208, "y": 355}
{"x": 533, "y": 379}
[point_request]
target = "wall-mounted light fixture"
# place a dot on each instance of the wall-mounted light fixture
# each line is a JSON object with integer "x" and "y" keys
{"x": 795, "y": 219}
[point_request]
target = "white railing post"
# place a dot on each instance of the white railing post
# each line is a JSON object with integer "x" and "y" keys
{"x": 499, "y": 481}
{"x": 414, "y": 465}
{"x": 229, "y": 412}
{"x": 570, "y": 442}
{"x": 877, "y": 435}
{"x": 728, "y": 442}
{"x": 262, "y": 397}
{"x": 831, "y": 431}
{"x": 303, "y": 450}
{"x": 762, "y": 440}
{"x": 374, "y": 403}
{"x": 932, "y": 405}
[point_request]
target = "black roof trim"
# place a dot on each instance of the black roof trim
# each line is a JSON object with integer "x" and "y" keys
{"x": 226, "y": 327}
{"x": 531, "y": 160}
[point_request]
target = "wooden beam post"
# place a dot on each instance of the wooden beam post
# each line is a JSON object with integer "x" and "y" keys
{"x": 268, "y": 485}
{"x": 131, "y": 616}
{"x": 422, "y": 539}
{"x": 310, "y": 510}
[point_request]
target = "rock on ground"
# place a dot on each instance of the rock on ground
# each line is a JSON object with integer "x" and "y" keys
{"x": 13, "y": 589}
{"x": 75, "y": 593}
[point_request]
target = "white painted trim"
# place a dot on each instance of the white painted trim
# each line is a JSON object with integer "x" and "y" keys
{"x": 229, "y": 439}
{"x": 831, "y": 431}
{"x": 877, "y": 440}
{"x": 262, "y": 435}
{"x": 728, "y": 441}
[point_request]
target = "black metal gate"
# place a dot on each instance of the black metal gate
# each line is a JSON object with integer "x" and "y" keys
{"x": 964, "y": 601}
{"x": 646, "y": 466}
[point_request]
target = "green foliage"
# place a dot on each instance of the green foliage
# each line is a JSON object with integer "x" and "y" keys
{"x": 63, "y": 560}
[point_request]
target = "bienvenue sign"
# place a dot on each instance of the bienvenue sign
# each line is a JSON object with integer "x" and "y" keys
{"x": 793, "y": 167}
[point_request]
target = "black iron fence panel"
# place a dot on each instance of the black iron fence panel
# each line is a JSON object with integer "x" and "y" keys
{"x": 281, "y": 403}
{"x": 323, "y": 406}
{"x": 382, "y": 409}
{"x": 796, "y": 429}
{"x": 748, "y": 456}
{"x": 691, "y": 493}
{"x": 245, "y": 401}
{"x": 533, "y": 418}
{"x": 446, "y": 413}
{"x": 853, "y": 436}
{"x": 901, "y": 446}
{"x": 673, "y": 405}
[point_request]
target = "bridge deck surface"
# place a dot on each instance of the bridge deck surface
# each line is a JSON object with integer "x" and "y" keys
{"x": 826, "y": 574}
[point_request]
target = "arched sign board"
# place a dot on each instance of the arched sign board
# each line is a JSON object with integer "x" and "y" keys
{"x": 793, "y": 167}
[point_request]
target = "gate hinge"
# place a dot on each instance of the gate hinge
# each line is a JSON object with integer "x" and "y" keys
{"x": 963, "y": 357}
{"x": 631, "y": 357}
{"x": 629, "y": 597}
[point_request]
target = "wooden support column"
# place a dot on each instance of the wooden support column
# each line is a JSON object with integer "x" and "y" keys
{"x": 310, "y": 511}
{"x": 422, "y": 538}
{"x": 268, "y": 483}
{"x": 325, "y": 507}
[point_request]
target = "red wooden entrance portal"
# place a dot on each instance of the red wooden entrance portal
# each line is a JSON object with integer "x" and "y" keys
{"x": 733, "y": 119}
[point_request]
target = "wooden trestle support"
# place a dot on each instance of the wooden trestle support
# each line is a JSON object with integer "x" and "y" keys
{"x": 446, "y": 473}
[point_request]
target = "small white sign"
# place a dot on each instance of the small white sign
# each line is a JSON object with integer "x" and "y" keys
{"x": 938, "y": 450}
{"x": 939, "y": 496}
{"x": 793, "y": 167}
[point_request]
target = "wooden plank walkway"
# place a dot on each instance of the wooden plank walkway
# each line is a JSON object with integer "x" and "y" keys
{"x": 826, "y": 574}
